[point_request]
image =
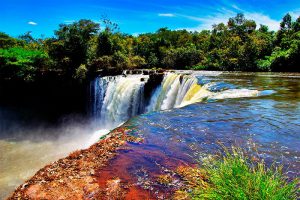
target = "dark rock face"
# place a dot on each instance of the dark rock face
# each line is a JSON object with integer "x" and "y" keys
{"x": 44, "y": 100}
{"x": 50, "y": 98}
{"x": 154, "y": 81}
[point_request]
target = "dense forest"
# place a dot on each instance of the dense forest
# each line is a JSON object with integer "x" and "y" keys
{"x": 83, "y": 48}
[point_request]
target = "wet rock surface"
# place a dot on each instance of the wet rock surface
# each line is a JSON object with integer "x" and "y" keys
{"x": 121, "y": 166}
{"x": 74, "y": 177}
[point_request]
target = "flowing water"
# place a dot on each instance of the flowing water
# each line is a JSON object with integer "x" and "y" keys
{"x": 186, "y": 115}
{"x": 117, "y": 99}
{"x": 259, "y": 112}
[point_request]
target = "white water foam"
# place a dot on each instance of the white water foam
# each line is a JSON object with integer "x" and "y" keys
{"x": 119, "y": 98}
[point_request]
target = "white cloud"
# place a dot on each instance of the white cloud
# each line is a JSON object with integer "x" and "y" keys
{"x": 295, "y": 14}
{"x": 237, "y": 8}
{"x": 222, "y": 16}
{"x": 263, "y": 19}
{"x": 166, "y": 15}
{"x": 207, "y": 22}
{"x": 136, "y": 34}
{"x": 32, "y": 23}
{"x": 69, "y": 21}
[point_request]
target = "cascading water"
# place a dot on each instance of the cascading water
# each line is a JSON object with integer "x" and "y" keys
{"x": 118, "y": 98}
{"x": 177, "y": 90}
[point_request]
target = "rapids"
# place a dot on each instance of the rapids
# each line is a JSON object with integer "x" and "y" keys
{"x": 117, "y": 99}
{"x": 185, "y": 114}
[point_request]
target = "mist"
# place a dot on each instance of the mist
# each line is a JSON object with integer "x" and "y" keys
{"x": 28, "y": 143}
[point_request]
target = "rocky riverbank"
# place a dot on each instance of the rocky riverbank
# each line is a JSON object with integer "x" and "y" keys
{"x": 75, "y": 177}
{"x": 119, "y": 166}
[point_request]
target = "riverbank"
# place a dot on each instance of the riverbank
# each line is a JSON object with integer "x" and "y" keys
{"x": 181, "y": 137}
{"x": 75, "y": 176}
{"x": 92, "y": 174}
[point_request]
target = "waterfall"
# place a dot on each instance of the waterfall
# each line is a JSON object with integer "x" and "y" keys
{"x": 98, "y": 89}
{"x": 115, "y": 99}
{"x": 118, "y": 98}
{"x": 177, "y": 90}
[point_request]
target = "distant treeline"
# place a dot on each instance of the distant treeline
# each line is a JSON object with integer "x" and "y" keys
{"x": 82, "y": 48}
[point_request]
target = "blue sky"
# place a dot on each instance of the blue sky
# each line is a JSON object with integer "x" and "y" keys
{"x": 138, "y": 16}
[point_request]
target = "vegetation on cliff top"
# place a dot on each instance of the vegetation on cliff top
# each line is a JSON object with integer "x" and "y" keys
{"x": 82, "y": 47}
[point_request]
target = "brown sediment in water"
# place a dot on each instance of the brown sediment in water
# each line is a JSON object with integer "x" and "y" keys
{"x": 140, "y": 170}
{"x": 120, "y": 166}
{"x": 74, "y": 177}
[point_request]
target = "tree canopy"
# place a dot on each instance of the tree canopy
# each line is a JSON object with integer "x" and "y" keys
{"x": 82, "y": 47}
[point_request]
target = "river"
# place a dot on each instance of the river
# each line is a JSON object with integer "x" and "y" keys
{"x": 185, "y": 118}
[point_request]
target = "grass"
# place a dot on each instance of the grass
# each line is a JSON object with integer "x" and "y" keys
{"x": 234, "y": 176}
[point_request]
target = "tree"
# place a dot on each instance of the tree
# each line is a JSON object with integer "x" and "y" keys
{"x": 27, "y": 37}
{"x": 79, "y": 49}
{"x": 240, "y": 25}
{"x": 296, "y": 25}
{"x": 286, "y": 23}
{"x": 104, "y": 44}
{"x": 263, "y": 28}
{"x": 286, "y": 53}
{"x": 18, "y": 63}
{"x": 182, "y": 58}
{"x": 284, "y": 31}
{"x": 70, "y": 48}
{"x": 6, "y": 41}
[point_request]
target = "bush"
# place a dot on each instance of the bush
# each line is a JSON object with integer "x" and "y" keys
{"x": 198, "y": 67}
{"x": 81, "y": 72}
{"x": 101, "y": 63}
{"x": 235, "y": 177}
{"x": 119, "y": 60}
{"x": 136, "y": 62}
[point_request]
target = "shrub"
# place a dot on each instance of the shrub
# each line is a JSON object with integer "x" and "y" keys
{"x": 81, "y": 72}
{"x": 235, "y": 177}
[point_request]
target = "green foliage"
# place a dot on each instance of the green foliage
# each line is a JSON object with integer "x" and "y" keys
{"x": 102, "y": 63}
{"x": 240, "y": 25}
{"x": 119, "y": 60}
{"x": 6, "y": 41}
{"x": 81, "y": 72}
{"x": 152, "y": 60}
{"x": 105, "y": 44}
{"x": 296, "y": 25}
{"x": 286, "y": 23}
{"x": 180, "y": 58}
{"x": 237, "y": 45}
{"x": 69, "y": 50}
{"x": 136, "y": 62}
{"x": 21, "y": 63}
{"x": 286, "y": 54}
{"x": 235, "y": 177}
{"x": 27, "y": 38}
{"x": 199, "y": 67}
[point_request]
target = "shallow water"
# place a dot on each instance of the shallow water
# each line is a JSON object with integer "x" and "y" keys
{"x": 268, "y": 125}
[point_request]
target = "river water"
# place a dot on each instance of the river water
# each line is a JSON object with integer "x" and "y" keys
{"x": 185, "y": 120}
